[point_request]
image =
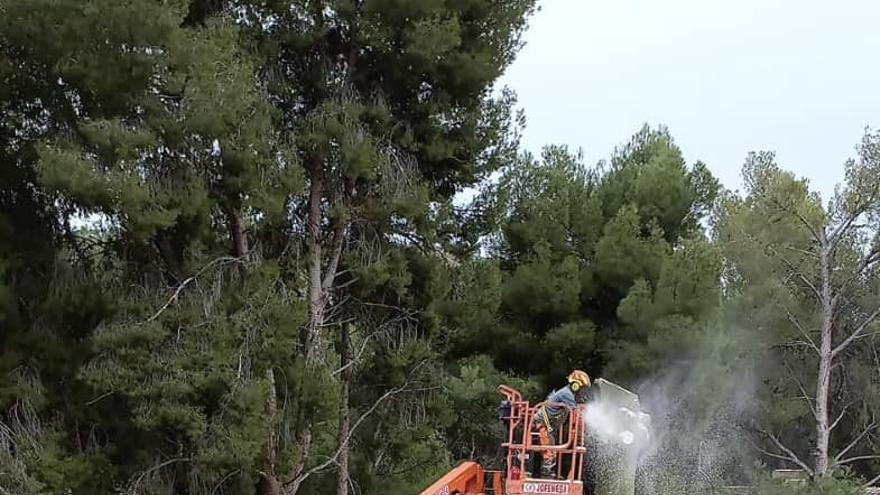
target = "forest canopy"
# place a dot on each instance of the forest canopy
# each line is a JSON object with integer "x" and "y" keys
{"x": 293, "y": 247}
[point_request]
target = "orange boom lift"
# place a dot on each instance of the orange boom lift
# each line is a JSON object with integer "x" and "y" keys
{"x": 470, "y": 478}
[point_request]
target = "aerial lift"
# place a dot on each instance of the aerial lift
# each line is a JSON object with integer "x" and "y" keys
{"x": 521, "y": 445}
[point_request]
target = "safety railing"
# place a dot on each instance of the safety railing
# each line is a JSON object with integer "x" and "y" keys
{"x": 521, "y": 444}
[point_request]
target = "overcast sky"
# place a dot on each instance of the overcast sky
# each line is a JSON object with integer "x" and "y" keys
{"x": 799, "y": 77}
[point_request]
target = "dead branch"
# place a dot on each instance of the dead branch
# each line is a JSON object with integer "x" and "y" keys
{"x": 804, "y": 252}
{"x": 338, "y": 323}
{"x": 856, "y": 334}
{"x": 840, "y": 416}
{"x": 219, "y": 261}
{"x": 867, "y": 261}
{"x": 331, "y": 312}
{"x": 223, "y": 480}
{"x": 404, "y": 316}
{"x": 337, "y": 244}
{"x": 778, "y": 456}
{"x": 98, "y": 398}
{"x": 837, "y": 234}
{"x": 378, "y": 305}
{"x": 300, "y": 478}
{"x": 854, "y": 442}
{"x": 794, "y": 321}
{"x": 155, "y": 468}
{"x": 849, "y": 460}
{"x": 356, "y": 358}
{"x": 788, "y": 455}
{"x": 343, "y": 285}
{"x": 796, "y": 272}
{"x": 794, "y": 343}
{"x": 812, "y": 230}
{"x": 804, "y": 395}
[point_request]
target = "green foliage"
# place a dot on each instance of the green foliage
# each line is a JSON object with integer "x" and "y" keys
{"x": 592, "y": 258}
{"x": 825, "y": 486}
{"x": 473, "y": 395}
{"x": 544, "y": 292}
{"x": 169, "y": 171}
{"x": 624, "y": 255}
{"x": 774, "y": 240}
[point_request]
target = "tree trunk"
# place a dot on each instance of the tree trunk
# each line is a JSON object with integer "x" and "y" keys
{"x": 239, "y": 240}
{"x": 304, "y": 442}
{"x": 311, "y": 333}
{"x": 823, "y": 381}
{"x": 344, "y": 417}
{"x": 823, "y": 430}
{"x": 269, "y": 484}
{"x": 311, "y": 337}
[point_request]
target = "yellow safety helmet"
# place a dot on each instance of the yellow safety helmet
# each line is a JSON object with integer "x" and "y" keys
{"x": 578, "y": 379}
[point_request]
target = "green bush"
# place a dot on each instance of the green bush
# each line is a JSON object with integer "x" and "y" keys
{"x": 825, "y": 486}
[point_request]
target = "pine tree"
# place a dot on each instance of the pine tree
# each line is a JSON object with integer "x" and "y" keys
{"x": 385, "y": 102}
{"x": 813, "y": 269}
{"x": 175, "y": 151}
{"x": 236, "y": 160}
{"x": 580, "y": 246}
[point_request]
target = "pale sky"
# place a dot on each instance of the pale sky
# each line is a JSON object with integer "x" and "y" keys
{"x": 799, "y": 77}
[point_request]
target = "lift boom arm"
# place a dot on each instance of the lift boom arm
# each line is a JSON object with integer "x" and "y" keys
{"x": 466, "y": 479}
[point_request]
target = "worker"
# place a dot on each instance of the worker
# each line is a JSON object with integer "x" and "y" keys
{"x": 551, "y": 416}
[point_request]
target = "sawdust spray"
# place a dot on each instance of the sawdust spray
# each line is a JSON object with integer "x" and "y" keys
{"x": 682, "y": 435}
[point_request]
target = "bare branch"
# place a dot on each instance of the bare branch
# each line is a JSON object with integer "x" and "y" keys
{"x": 336, "y": 253}
{"x": 98, "y": 398}
{"x": 347, "y": 439}
{"x": 405, "y": 315}
{"x": 347, "y": 283}
{"x": 849, "y": 460}
{"x": 219, "y": 261}
{"x": 356, "y": 358}
{"x": 869, "y": 260}
{"x": 332, "y": 460}
{"x": 771, "y": 454}
{"x": 155, "y": 468}
{"x": 837, "y": 233}
{"x": 813, "y": 232}
{"x": 794, "y": 343}
{"x": 796, "y": 272}
{"x": 804, "y": 252}
{"x": 840, "y": 416}
{"x": 378, "y": 305}
{"x": 854, "y": 442}
{"x": 872, "y": 257}
{"x": 804, "y": 395}
{"x": 794, "y": 321}
{"x": 223, "y": 480}
{"x": 338, "y": 323}
{"x": 857, "y": 333}
{"x": 872, "y": 481}
{"x": 788, "y": 455}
